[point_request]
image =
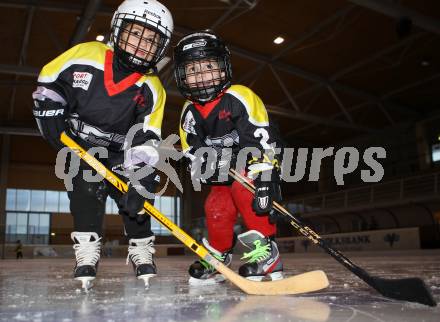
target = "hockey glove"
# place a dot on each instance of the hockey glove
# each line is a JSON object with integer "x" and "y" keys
{"x": 265, "y": 194}
{"x": 267, "y": 188}
{"x": 131, "y": 204}
{"x": 51, "y": 120}
{"x": 138, "y": 156}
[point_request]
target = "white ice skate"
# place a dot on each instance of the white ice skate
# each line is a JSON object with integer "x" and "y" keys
{"x": 140, "y": 253}
{"x": 87, "y": 252}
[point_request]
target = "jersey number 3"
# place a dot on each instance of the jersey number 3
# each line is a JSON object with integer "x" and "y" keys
{"x": 262, "y": 133}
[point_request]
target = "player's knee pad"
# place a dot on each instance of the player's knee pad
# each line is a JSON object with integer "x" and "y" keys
{"x": 219, "y": 205}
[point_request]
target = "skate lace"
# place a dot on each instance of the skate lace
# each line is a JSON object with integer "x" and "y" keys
{"x": 141, "y": 254}
{"x": 87, "y": 253}
{"x": 258, "y": 254}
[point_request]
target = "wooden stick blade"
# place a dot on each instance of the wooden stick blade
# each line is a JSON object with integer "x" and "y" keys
{"x": 297, "y": 284}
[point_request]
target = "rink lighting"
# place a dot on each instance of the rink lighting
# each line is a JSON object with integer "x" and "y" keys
{"x": 278, "y": 40}
{"x": 100, "y": 38}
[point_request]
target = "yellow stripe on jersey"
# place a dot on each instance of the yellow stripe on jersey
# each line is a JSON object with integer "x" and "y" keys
{"x": 253, "y": 104}
{"x": 89, "y": 53}
{"x": 153, "y": 121}
{"x": 183, "y": 134}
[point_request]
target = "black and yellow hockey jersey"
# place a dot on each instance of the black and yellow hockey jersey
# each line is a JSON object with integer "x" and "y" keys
{"x": 236, "y": 119}
{"x": 86, "y": 90}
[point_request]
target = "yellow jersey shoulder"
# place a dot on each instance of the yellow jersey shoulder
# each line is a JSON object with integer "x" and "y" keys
{"x": 185, "y": 106}
{"x": 252, "y": 103}
{"x": 89, "y": 53}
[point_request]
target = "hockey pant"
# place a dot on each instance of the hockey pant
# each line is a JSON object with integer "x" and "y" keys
{"x": 221, "y": 210}
{"x": 88, "y": 200}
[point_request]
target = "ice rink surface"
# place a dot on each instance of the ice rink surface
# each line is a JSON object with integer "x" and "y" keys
{"x": 43, "y": 290}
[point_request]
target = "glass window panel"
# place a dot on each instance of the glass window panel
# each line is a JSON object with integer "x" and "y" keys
{"x": 44, "y": 224}
{"x": 23, "y": 200}
{"x": 64, "y": 202}
{"x": 436, "y": 152}
{"x": 11, "y": 199}
{"x": 167, "y": 207}
{"x": 157, "y": 202}
{"x": 52, "y": 201}
{"x": 155, "y": 226}
{"x": 108, "y": 206}
{"x": 37, "y": 200}
{"x": 22, "y": 223}
{"x": 115, "y": 209}
{"x": 177, "y": 211}
{"x": 11, "y": 223}
{"x": 34, "y": 222}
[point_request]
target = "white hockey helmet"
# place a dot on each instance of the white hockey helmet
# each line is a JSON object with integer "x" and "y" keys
{"x": 150, "y": 14}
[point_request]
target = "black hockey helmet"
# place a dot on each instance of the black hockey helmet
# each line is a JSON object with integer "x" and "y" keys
{"x": 151, "y": 15}
{"x": 202, "y": 66}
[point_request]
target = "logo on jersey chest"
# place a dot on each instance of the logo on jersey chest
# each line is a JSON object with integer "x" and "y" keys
{"x": 224, "y": 115}
{"x": 139, "y": 99}
{"x": 82, "y": 80}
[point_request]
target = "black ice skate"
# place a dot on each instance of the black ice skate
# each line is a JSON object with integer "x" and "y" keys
{"x": 202, "y": 273}
{"x": 263, "y": 259}
{"x": 140, "y": 254}
{"x": 87, "y": 252}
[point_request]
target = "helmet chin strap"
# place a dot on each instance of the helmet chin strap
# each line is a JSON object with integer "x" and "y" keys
{"x": 205, "y": 95}
{"x": 138, "y": 62}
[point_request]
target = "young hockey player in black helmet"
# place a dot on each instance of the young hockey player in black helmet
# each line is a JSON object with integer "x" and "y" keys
{"x": 96, "y": 93}
{"x": 220, "y": 115}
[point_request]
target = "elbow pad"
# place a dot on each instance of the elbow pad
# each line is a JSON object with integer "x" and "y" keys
{"x": 51, "y": 121}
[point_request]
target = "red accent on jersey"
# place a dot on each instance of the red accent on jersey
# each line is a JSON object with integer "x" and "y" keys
{"x": 223, "y": 114}
{"x": 204, "y": 110}
{"x": 110, "y": 86}
{"x": 139, "y": 99}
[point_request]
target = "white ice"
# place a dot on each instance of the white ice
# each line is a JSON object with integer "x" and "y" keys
{"x": 43, "y": 290}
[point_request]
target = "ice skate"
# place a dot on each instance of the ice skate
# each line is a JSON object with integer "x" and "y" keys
{"x": 262, "y": 260}
{"x": 140, "y": 254}
{"x": 202, "y": 273}
{"x": 87, "y": 252}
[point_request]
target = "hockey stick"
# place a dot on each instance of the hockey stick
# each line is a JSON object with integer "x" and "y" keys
{"x": 406, "y": 289}
{"x": 302, "y": 283}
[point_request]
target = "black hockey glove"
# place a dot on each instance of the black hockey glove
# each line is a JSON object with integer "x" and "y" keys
{"x": 265, "y": 194}
{"x": 131, "y": 204}
{"x": 51, "y": 121}
{"x": 265, "y": 174}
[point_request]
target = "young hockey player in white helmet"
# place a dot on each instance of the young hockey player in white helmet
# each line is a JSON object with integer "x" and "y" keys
{"x": 96, "y": 92}
{"x": 220, "y": 115}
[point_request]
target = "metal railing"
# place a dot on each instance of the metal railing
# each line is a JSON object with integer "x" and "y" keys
{"x": 410, "y": 189}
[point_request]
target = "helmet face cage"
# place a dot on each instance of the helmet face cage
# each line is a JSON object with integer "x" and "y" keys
{"x": 138, "y": 42}
{"x": 202, "y": 68}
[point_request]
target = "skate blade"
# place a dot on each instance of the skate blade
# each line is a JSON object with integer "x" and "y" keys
{"x": 86, "y": 282}
{"x": 146, "y": 279}
{"x": 217, "y": 279}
